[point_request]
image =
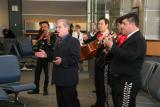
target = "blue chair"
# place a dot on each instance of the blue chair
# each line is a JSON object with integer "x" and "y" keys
{"x": 8, "y": 45}
{"x": 3, "y": 95}
{"x": 10, "y": 77}
{"x": 24, "y": 47}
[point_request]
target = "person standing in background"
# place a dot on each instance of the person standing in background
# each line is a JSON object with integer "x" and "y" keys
{"x": 78, "y": 34}
{"x": 93, "y": 31}
{"x": 71, "y": 29}
{"x": 120, "y": 36}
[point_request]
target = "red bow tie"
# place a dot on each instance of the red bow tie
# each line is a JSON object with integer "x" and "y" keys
{"x": 121, "y": 39}
{"x": 99, "y": 35}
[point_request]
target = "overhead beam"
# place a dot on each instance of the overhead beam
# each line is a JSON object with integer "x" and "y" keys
{"x": 61, "y": 0}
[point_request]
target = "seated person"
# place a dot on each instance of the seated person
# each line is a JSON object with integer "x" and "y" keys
{"x": 8, "y": 33}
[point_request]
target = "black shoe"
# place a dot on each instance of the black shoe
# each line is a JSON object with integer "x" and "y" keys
{"x": 45, "y": 92}
{"x": 94, "y": 91}
{"x": 92, "y": 105}
{"x": 96, "y": 105}
{"x": 33, "y": 92}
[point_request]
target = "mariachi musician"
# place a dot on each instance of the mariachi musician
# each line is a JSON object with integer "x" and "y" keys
{"x": 44, "y": 44}
{"x": 100, "y": 61}
{"x": 127, "y": 62}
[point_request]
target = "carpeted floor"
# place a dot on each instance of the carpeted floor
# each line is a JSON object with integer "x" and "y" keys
{"x": 85, "y": 94}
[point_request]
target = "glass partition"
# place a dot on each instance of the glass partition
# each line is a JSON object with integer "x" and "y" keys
{"x": 152, "y": 20}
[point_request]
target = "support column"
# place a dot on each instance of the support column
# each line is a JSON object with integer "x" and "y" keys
{"x": 88, "y": 14}
{"x": 90, "y": 18}
{"x": 15, "y": 16}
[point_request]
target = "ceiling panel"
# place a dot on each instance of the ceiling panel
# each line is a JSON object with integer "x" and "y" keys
{"x": 59, "y": 0}
{"x": 52, "y": 10}
{"x": 54, "y": 7}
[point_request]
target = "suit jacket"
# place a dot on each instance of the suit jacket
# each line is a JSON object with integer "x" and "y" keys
{"x": 67, "y": 72}
{"x": 128, "y": 59}
{"x": 50, "y": 47}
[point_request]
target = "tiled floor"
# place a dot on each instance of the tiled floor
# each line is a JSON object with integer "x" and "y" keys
{"x": 85, "y": 88}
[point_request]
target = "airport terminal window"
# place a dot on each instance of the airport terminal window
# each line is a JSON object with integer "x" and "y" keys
{"x": 152, "y": 20}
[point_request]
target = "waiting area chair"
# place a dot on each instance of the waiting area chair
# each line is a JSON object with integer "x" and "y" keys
{"x": 150, "y": 75}
{"x": 10, "y": 75}
{"x": 154, "y": 84}
{"x": 8, "y": 44}
{"x": 146, "y": 72}
{"x": 25, "y": 51}
{"x": 3, "y": 95}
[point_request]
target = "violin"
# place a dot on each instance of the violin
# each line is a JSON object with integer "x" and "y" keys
{"x": 42, "y": 42}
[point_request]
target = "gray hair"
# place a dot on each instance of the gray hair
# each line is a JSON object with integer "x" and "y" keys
{"x": 66, "y": 23}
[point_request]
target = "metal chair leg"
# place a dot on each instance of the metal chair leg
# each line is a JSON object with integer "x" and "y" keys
{"x": 17, "y": 102}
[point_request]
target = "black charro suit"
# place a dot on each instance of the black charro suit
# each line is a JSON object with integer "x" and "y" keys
{"x": 65, "y": 75}
{"x": 42, "y": 63}
{"x": 125, "y": 70}
{"x": 101, "y": 60}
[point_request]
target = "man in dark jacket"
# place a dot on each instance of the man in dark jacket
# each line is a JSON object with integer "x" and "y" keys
{"x": 100, "y": 62}
{"x": 44, "y": 45}
{"x": 127, "y": 62}
{"x": 65, "y": 73}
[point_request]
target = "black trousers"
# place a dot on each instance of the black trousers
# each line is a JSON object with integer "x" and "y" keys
{"x": 41, "y": 64}
{"x": 67, "y": 96}
{"x": 99, "y": 85}
{"x": 124, "y": 91}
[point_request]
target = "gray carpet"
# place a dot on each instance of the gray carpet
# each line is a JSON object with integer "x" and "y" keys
{"x": 85, "y": 88}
